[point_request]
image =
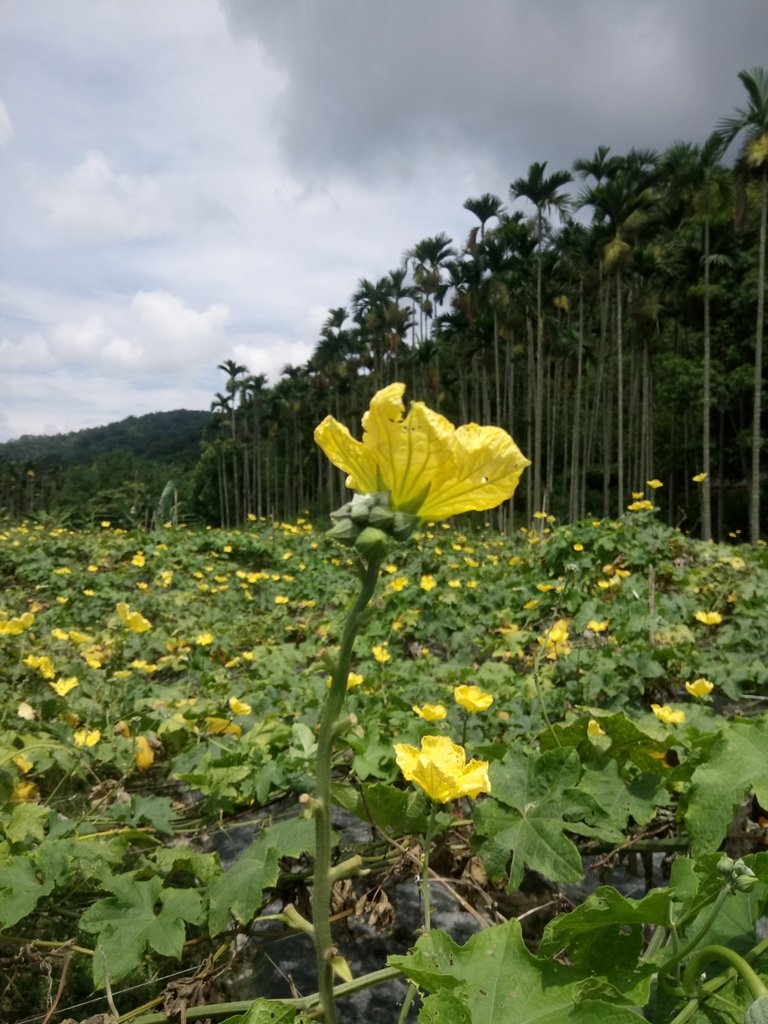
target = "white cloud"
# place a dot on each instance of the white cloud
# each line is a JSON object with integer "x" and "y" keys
{"x": 30, "y": 351}
{"x": 95, "y": 203}
{"x": 6, "y": 125}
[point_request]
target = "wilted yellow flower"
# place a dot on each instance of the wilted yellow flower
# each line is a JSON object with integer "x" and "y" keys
{"x": 472, "y": 698}
{"x": 143, "y": 754}
{"x": 429, "y": 467}
{"x": 239, "y": 707}
{"x": 699, "y": 478}
{"x": 123, "y": 729}
{"x": 709, "y": 618}
{"x": 430, "y": 712}
{"x": 23, "y": 792}
{"x": 134, "y": 621}
{"x": 594, "y": 728}
{"x": 668, "y": 715}
{"x": 427, "y": 583}
{"x": 23, "y": 763}
{"x": 381, "y": 654}
{"x": 63, "y": 686}
{"x": 700, "y": 687}
{"x": 87, "y": 737}
{"x": 26, "y": 711}
{"x": 222, "y": 726}
{"x": 440, "y": 769}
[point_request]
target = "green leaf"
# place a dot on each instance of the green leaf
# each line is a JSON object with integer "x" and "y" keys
{"x": 606, "y": 929}
{"x": 20, "y": 888}
{"x": 619, "y": 800}
{"x": 26, "y": 822}
{"x": 525, "y": 817}
{"x": 736, "y": 766}
{"x": 494, "y": 979}
{"x": 138, "y": 916}
{"x": 272, "y": 1011}
{"x": 204, "y": 866}
{"x": 398, "y": 811}
{"x": 239, "y": 891}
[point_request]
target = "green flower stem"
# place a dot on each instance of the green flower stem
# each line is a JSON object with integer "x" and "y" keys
{"x": 323, "y": 882}
{"x": 681, "y": 954}
{"x": 301, "y": 1003}
{"x": 694, "y": 967}
{"x": 426, "y": 901}
{"x": 709, "y": 988}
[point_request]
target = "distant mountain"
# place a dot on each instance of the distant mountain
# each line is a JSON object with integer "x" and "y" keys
{"x": 172, "y": 437}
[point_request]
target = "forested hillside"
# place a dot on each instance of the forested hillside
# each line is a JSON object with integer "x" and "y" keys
{"x": 120, "y": 469}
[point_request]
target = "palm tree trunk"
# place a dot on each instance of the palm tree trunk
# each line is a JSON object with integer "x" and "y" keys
{"x": 754, "y": 498}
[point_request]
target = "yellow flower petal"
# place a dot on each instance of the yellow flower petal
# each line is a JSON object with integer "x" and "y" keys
{"x": 430, "y": 712}
{"x": 239, "y": 707}
{"x": 143, "y": 754}
{"x": 700, "y": 687}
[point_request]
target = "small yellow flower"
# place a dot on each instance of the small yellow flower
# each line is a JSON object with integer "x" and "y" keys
{"x": 354, "y": 679}
{"x": 63, "y": 686}
{"x": 454, "y": 584}
{"x": 222, "y": 726}
{"x": 427, "y": 583}
{"x": 430, "y": 468}
{"x": 640, "y": 506}
{"x": 204, "y": 639}
{"x": 399, "y": 583}
{"x": 472, "y": 698}
{"x": 668, "y": 715}
{"x": 282, "y": 599}
{"x": 24, "y": 792}
{"x": 132, "y": 620}
{"x": 87, "y": 737}
{"x": 441, "y": 770}
{"x": 381, "y": 654}
{"x": 530, "y": 605}
{"x": 239, "y": 707}
{"x": 139, "y": 560}
{"x": 143, "y": 754}
{"x": 23, "y": 763}
{"x": 430, "y": 712}
{"x": 636, "y": 495}
{"x": 700, "y": 687}
{"x": 699, "y": 478}
{"x": 709, "y": 618}
{"x": 597, "y": 626}
{"x": 594, "y": 728}
{"x": 578, "y": 547}
{"x": 654, "y": 484}
{"x": 555, "y": 642}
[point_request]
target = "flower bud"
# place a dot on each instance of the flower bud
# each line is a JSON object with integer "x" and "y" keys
{"x": 372, "y": 544}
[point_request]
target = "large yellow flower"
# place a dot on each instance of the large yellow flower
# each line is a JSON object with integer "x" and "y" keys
{"x": 440, "y": 769}
{"x": 429, "y": 467}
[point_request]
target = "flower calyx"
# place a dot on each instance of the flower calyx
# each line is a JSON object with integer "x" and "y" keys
{"x": 368, "y": 524}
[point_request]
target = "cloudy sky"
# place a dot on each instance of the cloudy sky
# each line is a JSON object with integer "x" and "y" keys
{"x": 186, "y": 181}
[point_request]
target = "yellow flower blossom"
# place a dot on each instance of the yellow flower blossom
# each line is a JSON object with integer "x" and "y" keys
{"x": 381, "y": 654}
{"x": 222, "y": 726}
{"x": 63, "y": 686}
{"x": 143, "y": 754}
{"x": 430, "y": 712}
{"x": 23, "y": 763}
{"x": 699, "y": 478}
{"x": 709, "y": 618}
{"x": 399, "y": 583}
{"x": 668, "y": 715}
{"x": 640, "y": 506}
{"x": 427, "y": 583}
{"x": 134, "y": 621}
{"x": 42, "y": 663}
{"x": 597, "y": 626}
{"x": 454, "y": 584}
{"x": 87, "y": 737}
{"x": 594, "y": 728}
{"x": 578, "y": 547}
{"x": 654, "y": 484}
{"x": 555, "y": 642}
{"x": 700, "y": 687}
{"x": 238, "y": 707}
{"x": 472, "y": 698}
{"x": 441, "y": 770}
{"x": 204, "y": 639}
{"x": 23, "y": 792}
{"x": 429, "y": 467}
{"x": 17, "y": 625}
{"x": 282, "y": 599}
{"x": 139, "y": 560}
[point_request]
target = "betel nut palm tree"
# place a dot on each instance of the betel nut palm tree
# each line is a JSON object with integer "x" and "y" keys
{"x": 752, "y": 122}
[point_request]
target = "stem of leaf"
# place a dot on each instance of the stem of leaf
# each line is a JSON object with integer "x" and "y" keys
{"x": 322, "y": 882}
{"x": 425, "y": 896}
